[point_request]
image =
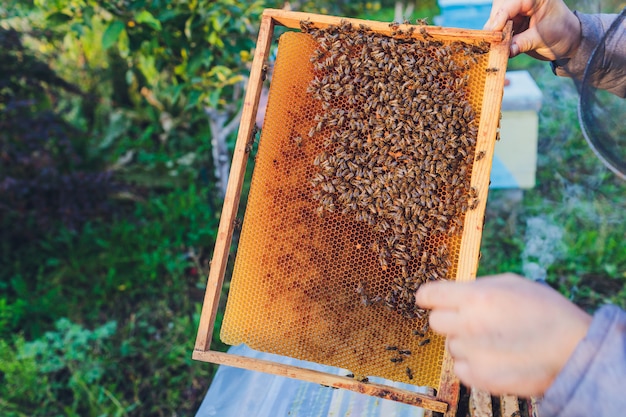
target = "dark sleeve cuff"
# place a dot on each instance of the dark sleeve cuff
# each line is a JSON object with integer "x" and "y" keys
{"x": 557, "y": 64}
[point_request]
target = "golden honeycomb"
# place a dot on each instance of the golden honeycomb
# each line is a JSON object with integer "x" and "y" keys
{"x": 308, "y": 280}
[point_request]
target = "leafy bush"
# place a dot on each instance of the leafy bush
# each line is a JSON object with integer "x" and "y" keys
{"x": 147, "y": 275}
{"x": 44, "y": 176}
{"x": 156, "y": 69}
{"x": 89, "y": 274}
{"x": 58, "y": 374}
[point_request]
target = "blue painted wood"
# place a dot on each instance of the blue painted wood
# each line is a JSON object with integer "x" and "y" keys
{"x": 238, "y": 392}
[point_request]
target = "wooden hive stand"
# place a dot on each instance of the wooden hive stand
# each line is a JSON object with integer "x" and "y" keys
{"x": 445, "y": 399}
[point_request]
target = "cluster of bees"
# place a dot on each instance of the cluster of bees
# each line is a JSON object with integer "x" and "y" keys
{"x": 399, "y": 357}
{"x": 398, "y": 137}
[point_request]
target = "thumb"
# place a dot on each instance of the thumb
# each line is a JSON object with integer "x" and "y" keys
{"x": 527, "y": 41}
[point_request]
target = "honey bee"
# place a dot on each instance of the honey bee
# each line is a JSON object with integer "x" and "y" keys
{"x": 250, "y": 143}
{"x": 404, "y": 352}
{"x": 480, "y": 155}
{"x": 306, "y": 26}
{"x": 425, "y": 33}
{"x": 481, "y": 48}
{"x": 397, "y": 360}
{"x": 409, "y": 373}
{"x": 491, "y": 70}
{"x": 423, "y": 342}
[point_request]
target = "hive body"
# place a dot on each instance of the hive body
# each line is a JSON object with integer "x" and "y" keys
{"x": 316, "y": 277}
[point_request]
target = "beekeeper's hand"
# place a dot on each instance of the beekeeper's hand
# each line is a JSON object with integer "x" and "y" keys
{"x": 507, "y": 334}
{"x": 544, "y": 29}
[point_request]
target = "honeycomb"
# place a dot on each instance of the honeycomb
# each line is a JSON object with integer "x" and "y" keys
{"x": 330, "y": 255}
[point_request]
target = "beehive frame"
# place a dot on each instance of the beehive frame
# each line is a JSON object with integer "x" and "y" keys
{"x": 448, "y": 389}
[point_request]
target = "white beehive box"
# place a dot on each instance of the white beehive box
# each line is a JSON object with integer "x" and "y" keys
{"x": 515, "y": 158}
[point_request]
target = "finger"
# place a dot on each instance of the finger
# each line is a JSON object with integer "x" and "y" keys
{"x": 462, "y": 370}
{"x": 501, "y": 11}
{"x": 481, "y": 374}
{"x": 441, "y": 294}
{"x": 469, "y": 375}
{"x": 445, "y": 322}
{"x": 496, "y": 20}
{"x": 456, "y": 348}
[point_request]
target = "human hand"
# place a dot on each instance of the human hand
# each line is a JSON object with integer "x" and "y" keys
{"x": 507, "y": 334}
{"x": 544, "y": 29}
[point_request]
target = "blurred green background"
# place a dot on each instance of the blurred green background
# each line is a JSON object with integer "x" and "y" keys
{"x": 113, "y": 119}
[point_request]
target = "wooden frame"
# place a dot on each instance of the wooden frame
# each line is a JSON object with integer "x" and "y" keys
{"x": 448, "y": 390}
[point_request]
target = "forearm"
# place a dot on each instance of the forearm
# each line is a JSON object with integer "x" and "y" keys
{"x": 591, "y": 383}
{"x": 610, "y": 71}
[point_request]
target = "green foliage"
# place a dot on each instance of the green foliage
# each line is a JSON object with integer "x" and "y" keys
{"x": 339, "y": 7}
{"x": 148, "y": 276}
{"x": 90, "y": 273}
{"x": 59, "y": 374}
{"x": 155, "y": 66}
{"x": 155, "y": 358}
{"x": 20, "y": 380}
{"x": 46, "y": 175}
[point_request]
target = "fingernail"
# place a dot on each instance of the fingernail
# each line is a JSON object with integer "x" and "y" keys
{"x": 514, "y": 50}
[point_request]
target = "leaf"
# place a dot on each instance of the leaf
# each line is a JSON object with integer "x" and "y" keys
{"x": 88, "y": 15}
{"x": 111, "y": 33}
{"x": 146, "y": 17}
{"x": 214, "y": 39}
{"x": 58, "y": 18}
{"x": 194, "y": 98}
{"x": 175, "y": 92}
{"x": 214, "y": 97}
{"x": 123, "y": 44}
{"x": 188, "y": 27}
